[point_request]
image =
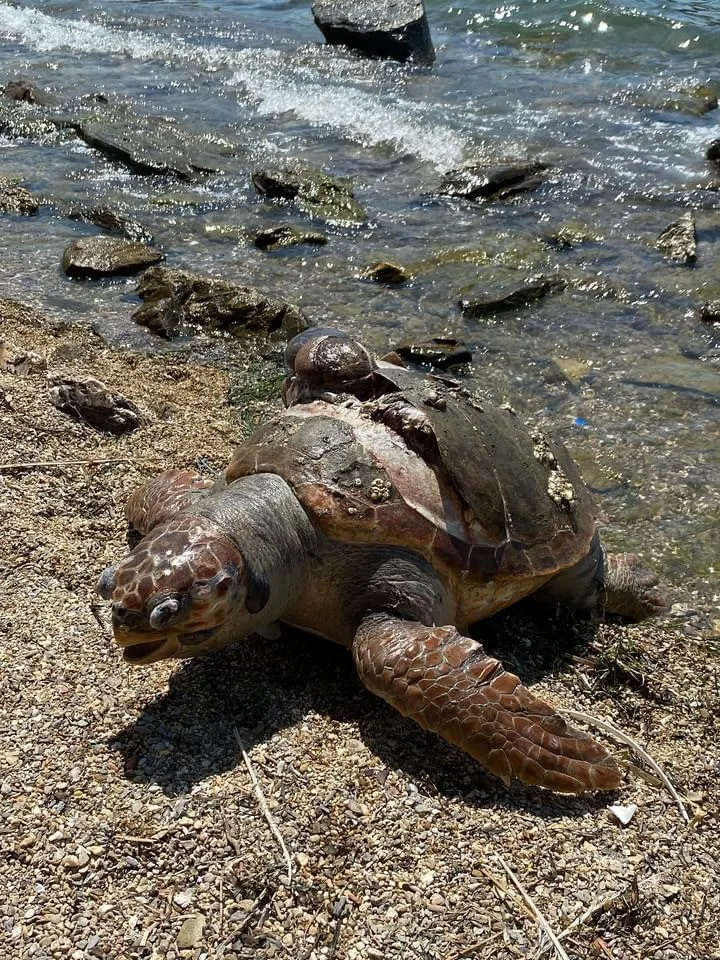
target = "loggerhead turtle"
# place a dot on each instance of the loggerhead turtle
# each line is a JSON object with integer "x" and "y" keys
{"x": 385, "y": 510}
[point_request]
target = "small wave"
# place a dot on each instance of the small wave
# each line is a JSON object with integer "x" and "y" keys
{"x": 273, "y": 83}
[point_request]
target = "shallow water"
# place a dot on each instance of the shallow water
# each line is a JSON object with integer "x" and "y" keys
{"x": 606, "y": 92}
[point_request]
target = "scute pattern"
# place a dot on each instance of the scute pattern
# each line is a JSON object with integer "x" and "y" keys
{"x": 447, "y": 683}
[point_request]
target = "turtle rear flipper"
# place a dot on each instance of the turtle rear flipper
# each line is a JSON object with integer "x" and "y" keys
{"x": 162, "y": 498}
{"x": 448, "y": 684}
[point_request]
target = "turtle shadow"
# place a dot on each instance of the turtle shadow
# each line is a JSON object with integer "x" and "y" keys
{"x": 257, "y": 688}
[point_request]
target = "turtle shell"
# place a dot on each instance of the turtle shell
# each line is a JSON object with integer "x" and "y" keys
{"x": 423, "y": 466}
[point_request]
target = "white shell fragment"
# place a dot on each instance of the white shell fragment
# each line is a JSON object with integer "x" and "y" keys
{"x": 623, "y": 812}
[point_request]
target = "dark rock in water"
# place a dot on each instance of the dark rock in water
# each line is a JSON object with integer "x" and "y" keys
{"x": 385, "y": 272}
{"x": 287, "y": 236}
{"x": 492, "y": 182}
{"x": 314, "y": 191}
{"x": 16, "y": 199}
{"x": 397, "y": 29}
{"x": 91, "y": 400}
{"x": 113, "y": 222}
{"x": 679, "y": 240}
{"x": 178, "y": 302}
{"x": 710, "y": 311}
{"x": 106, "y": 256}
{"x": 442, "y": 352}
{"x": 504, "y": 296}
{"x": 148, "y": 145}
{"x": 26, "y": 92}
{"x": 713, "y": 151}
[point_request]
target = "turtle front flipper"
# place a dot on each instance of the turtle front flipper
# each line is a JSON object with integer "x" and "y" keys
{"x": 448, "y": 684}
{"x": 163, "y": 497}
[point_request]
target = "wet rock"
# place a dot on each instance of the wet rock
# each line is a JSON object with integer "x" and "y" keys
{"x": 713, "y": 151}
{"x": 710, "y": 311}
{"x": 91, "y": 400}
{"x": 398, "y": 30}
{"x": 314, "y": 191}
{"x": 22, "y": 120}
{"x": 384, "y": 271}
{"x": 152, "y": 145}
{"x": 107, "y": 256}
{"x": 287, "y": 236}
{"x": 495, "y": 298}
{"x": 16, "y": 199}
{"x": 692, "y": 99}
{"x": 26, "y": 93}
{"x": 113, "y": 222}
{"x": 442, "y": 352}
{"x": 679, "y": 240}
{"x": 177, "y": 302}
{"x": 492, "y": 181}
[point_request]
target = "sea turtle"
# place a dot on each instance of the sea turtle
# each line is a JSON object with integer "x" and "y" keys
{"x": 386, "y": 510}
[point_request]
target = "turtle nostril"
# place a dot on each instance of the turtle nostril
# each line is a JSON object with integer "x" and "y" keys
{"x": 120, "y": 614}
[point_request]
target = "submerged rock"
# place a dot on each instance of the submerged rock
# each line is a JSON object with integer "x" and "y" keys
{"x": 384, "y": 271}
{"x": 26, "y": 92}
{"x": 151, "y": 145}
{"x": 314, "y": 191}
{"x": 495, "y": 298}
{"x": 710, "y": 311}
{"x": 679, "y": 240}
{"x": 91, "y": 400}
{"x": 398, "y": 30}
{"x": 113, "y": 222}
{"x": 442, "y": 352}
{"x": 492, "y": 181}
{"x": 91, "y": 257}
{"x": 177, "y": 302}
{"x": 287, "y": 236}
{"x": 16, "y": 199}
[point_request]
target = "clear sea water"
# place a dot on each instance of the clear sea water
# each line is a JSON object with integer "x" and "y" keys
{"x": 607, "y": 92}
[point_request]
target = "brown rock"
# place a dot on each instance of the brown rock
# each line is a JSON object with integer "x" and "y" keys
{"x": 108, "y": 256}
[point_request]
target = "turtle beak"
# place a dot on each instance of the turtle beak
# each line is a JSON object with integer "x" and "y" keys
{"x": 140, "y": 652}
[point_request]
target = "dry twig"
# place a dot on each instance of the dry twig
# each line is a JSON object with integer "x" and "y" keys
{"x": 265, "y": 809}
{"x": 93, "y": 461}
{"x": 628, "y": 741}
{"x": 544, "y": 925}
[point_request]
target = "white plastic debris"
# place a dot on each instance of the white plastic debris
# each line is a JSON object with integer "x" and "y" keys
{"x": 623, "y": 812}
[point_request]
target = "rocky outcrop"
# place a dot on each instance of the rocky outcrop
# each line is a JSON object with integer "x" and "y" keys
{"x": 92, "y": 257}
{"x": 275, "y": 238}
{"x": 16, "y": 199}
{"x": 492, "y": 181}
{"x": 91, "y": 400}
{"x": 178, "y": 302}
{"x": 384, "y": 271}
{"x": 498, "y": 297}
{"x": 679, "y": 240}
{"x": 442, "y": 352}
{"x": 26, "y": 93}
{"x": 313, "y": 191}
{"x": 398, "y": 30}
{"x": 112, "y": 221}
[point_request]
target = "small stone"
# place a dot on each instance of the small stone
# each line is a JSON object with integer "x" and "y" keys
{"x": 190, "y": 932}
{"x": 183, "y": 898}
{"x": 710, "y": 311}
{"x": 492, "y": 181}
{"x": 623, "y": 813}
{"x": 713, "y": 151}
{"x": 679, "y": 240}
{"x": 91, "y": 400}
{"x": 70, "y": 863}
{"x": 441, "y": 352}
{"x": 16, "y": 199}
{"x": 384, "y": 271}
{"x": 398, "y": 30}
{"x": 287, "y": 236}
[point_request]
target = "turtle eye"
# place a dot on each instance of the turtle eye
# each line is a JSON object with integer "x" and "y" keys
{"x": 162, "y": 613}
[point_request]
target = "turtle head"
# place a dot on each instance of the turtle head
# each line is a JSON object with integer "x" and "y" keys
{"x": 177, "y": 590}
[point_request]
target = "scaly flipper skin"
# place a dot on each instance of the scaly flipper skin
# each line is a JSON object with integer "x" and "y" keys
{"x": 448, "y": 684}
{"x": 163, "y": 497}
{"x": 631, "y": 590}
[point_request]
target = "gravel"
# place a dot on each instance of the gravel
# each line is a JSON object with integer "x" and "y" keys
{"x": 129, "y": 824}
